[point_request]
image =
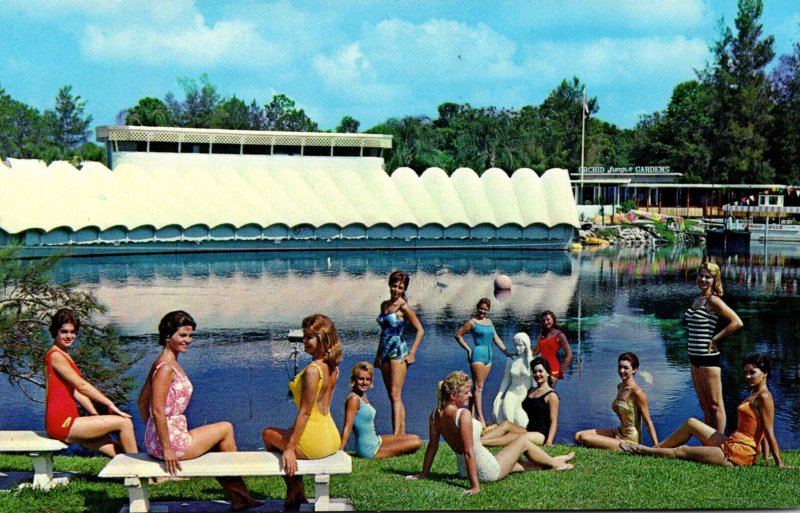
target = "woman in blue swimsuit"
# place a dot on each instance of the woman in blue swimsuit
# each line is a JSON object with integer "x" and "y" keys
{"x": 394, "y": 356}
{"x": 480, "y": 356}
{"x": 359, "y": 418}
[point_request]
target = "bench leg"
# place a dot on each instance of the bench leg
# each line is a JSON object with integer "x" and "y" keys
{"x": 322, "y": 498}
{"x": 43, "y": 472}
{"x": 138, "y": 494}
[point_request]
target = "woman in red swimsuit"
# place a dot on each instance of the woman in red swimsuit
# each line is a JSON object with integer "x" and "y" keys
{"x": 551, "y": 340}
{"x": 756, "y": 417}
{"x": 66, "y": 387}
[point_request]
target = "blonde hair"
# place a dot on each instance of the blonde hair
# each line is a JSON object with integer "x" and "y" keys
{"x": 454, "y": 382}
{"x": 713, "y": 269}
{"x": 361, "y": 366}
{"x": 322, "y": 327}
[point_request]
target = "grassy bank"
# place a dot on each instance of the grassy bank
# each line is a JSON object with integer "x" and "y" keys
{"x": 601, "y": 480}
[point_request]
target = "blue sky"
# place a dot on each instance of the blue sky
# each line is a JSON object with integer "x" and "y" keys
{"x": 368, "y": 59}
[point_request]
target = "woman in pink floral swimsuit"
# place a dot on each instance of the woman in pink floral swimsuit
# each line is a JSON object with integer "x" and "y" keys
{"x": 165, "y": 396}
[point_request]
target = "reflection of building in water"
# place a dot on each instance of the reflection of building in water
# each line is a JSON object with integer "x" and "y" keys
{"x": 251, "y": 294}
{"x": 181, "y": 189}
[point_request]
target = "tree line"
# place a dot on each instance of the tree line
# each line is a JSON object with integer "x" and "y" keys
{"x": 734, "y": 123}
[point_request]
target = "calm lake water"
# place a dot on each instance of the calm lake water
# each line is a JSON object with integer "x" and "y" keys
{"x": 607, "y": 301}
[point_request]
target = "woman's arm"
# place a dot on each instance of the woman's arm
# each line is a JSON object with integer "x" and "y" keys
{"x": 500, "y": 345}
{"x": 562, "y": 339}
{"x": 536, "y": 349}
{"x": 430, "y": 452}
{"x": 85, "y": 402}
{"x": 552, "y": 401}
{"x": 411, "y": 317}
{"x": 84, "y": 388}
{"x": 764, "y": 407}
{"x": 641, "y": 401}
{"x": 351, "y": 407}
{"x": 463, "y": 330}
{"x": 311, "y": 377}
{"x": 145, "y": 397}
{"x": 727, "y": 313}
{"x": 160, "y": 388}
{"x": 465, "y": 432}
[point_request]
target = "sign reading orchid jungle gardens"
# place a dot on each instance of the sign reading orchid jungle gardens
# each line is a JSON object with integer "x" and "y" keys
{"x": 626, "y": 169}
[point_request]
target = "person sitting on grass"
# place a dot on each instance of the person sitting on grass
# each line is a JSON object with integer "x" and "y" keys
{"x": 452, "y": 420}
{"x": 541, "y": 408}
{"x": 755, "y": 423}
{"x": 630, "y": 405}
{"x": 359, "y": 418}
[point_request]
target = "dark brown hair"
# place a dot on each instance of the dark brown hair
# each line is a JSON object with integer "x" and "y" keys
{"x": 62, "y": 317}
{"x": 171, "y": 323}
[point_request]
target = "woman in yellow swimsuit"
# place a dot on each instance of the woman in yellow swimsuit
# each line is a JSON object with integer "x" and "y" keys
{"x": 756, "y": 418}
{"x": 314, "y": 434}
{"x": 630, "y": 405}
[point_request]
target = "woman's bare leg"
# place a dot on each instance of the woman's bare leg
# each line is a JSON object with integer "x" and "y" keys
{"x": 394, "y": 377}
{"x": 706, "y": 434}
{"x": 597, "y": 438}
{"x": 508, "y": 457}
{"x": 91, "y": 432}
{"x": 218, "y": 437}
{"x": 707, "y": 383}
{"x": 505, "y": 433}
{"x": 480, "y": 372}
{"x": 395, "y": 445}
{"x": 277, "y": 439}
{"x": 707, "y": 455}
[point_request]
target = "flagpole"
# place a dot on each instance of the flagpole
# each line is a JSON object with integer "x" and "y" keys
{"x": 583, "y": 136}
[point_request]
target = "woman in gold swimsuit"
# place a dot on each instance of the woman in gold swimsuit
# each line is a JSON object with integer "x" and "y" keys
{"x": 314, "y": 434}
{"x": 630, "y": 405}
{"x": 756, "y": 418}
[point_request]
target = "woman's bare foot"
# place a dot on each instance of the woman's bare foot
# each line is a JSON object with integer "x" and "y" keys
{"x": 251, "y": 503}
{"x": 562, "y": 462}
{"x": 631, "y": 448}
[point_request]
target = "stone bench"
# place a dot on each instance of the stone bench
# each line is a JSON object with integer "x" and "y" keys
{"x": 137, "y": 469}
{"x": 40, "y": 448}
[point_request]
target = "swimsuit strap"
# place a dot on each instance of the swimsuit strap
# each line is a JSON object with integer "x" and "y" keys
{"x": 321, "y": 377}
{"x": 404, "y": 303}
{"x": 166, "y": 363}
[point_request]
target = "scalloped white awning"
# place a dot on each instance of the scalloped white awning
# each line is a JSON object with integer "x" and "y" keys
{"x": 185, "y": 190}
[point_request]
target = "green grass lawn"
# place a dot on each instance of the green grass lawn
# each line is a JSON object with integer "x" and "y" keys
{"x": 601, "y": 480}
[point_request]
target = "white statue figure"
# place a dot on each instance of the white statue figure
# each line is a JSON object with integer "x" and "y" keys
{"x": 517, "y": 379}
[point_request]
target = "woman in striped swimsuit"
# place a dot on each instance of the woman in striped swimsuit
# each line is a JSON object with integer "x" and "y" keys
{"x": 701, "y": 322}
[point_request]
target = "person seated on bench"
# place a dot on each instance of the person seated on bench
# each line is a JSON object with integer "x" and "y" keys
{"x": 66, "y": 387}
{"x": 359, "y": 418}
{"x": 452, "y": 420}
{"x": 162, "y": 401}
{"x": 314, "y": 434}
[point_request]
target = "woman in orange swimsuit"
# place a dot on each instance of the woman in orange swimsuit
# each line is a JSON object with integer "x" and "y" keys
{"x": 314, "y": 434}
{"x": 551, "y": 341}
{"x": 66, "y": 387}
{"x": 755, "y": 423}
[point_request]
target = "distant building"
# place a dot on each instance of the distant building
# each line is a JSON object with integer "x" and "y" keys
{"x": 659, "y": 189}
{"x": 181, "y": 190}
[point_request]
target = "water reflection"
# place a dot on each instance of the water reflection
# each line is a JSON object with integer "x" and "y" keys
{"x": 608, "y": 301}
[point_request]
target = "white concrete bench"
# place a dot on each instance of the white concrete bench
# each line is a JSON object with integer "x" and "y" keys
{"x": 137, "y": 469}
{"x": 40, "y": 448}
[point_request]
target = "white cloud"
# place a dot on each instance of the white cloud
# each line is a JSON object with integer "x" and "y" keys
{"x": 198, "y": 44}
{"x": 350, "y": 72}
{"x": 610, "y": 60}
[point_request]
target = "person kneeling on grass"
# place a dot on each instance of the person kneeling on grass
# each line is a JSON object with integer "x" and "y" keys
{"x": 359, "y": 418}
{"x": 453, "y": 420}
{"x": 755, "y": 423}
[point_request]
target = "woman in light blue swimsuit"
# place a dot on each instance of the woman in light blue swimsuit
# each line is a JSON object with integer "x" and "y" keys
{"x": 394, "y": 356}
{"x": 480, "y": 356}
{"x": 359, "y": 418}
